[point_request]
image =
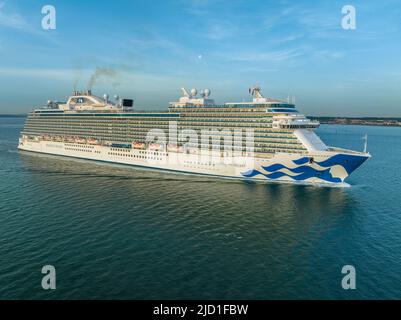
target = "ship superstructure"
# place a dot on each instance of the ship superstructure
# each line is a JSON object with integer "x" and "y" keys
{"x": 265, "y": 139}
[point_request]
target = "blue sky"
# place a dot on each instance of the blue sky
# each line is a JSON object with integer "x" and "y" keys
{"x": 295, "y": 48}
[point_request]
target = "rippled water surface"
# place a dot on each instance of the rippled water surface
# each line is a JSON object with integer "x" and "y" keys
{"x": 117, "y": 232}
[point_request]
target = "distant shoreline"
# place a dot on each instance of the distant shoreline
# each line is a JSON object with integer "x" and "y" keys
{"x": 12, "y": 115}
{"x": 364, "y": 121}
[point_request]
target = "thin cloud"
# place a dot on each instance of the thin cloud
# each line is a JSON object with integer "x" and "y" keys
{"x": 272, "y": 56}
{"x": 326, "y": 54}
{"x": 197, "y": 7}
{"x": 11, "y": 20}
{"x": 14, "y": 20}
{"x": 152, "y": 40}
{"x": 290, "y": 38}
{"x": 220, "y": 30}
{"x": 36, "y": 73}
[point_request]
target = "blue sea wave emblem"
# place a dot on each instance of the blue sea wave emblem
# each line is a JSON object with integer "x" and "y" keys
{"x": 303, "y": 172}
{"x": 302, "y": 160}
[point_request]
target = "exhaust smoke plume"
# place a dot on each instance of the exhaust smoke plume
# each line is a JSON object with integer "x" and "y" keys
{"x": 77, "y": 77}
{"x": 101, "y": 73}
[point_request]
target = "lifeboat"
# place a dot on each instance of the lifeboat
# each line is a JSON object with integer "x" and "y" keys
{"x": 138, "y": 145}
{"x": 155, "y": 147}
{"x": 80, "y": 140}
{"x": 92, "y": 141}
{"x": 193, "y": 150}
{"x": 173, "y": 148}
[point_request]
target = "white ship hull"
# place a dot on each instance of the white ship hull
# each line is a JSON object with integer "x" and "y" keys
{"x": 320, "y": 167}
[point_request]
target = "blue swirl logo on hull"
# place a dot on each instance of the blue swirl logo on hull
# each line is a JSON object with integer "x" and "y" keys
{"x": 302, "y": 160}
{"x": 304, "y": 172}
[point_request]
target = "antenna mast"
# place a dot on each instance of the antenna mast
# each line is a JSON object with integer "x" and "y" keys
{"x": 185, "y": 93}
{"x": 365, "y": 147}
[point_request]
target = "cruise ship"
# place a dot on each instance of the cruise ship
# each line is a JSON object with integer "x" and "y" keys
{"x": 264, "y": 139}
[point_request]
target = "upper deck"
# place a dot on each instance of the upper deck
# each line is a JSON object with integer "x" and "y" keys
{"x": 191, "y": 99}
{"x": 191, "y": 107}
{"x": 85, "y": 101}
